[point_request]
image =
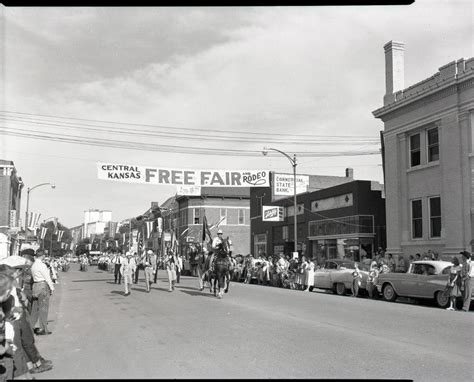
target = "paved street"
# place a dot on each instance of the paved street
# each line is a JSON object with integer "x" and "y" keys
{"x": 253, "y": 332}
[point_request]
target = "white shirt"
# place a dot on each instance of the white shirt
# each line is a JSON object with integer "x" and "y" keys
{"x": 40, "y": 272}
{"x": 216, "y": 241}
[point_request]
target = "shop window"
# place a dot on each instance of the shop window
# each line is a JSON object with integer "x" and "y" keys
{"x": 415, "y": 150}
{"x": 435, "y": 216}
{"x": 416, "y": 219}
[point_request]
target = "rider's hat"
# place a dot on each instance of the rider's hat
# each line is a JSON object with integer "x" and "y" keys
{"x": 150, "y": 252}
{"x": 219, "y": 231}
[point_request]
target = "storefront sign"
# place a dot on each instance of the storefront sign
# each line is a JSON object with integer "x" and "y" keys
{"x": 272, "y": 214}
{"x": 12, "y": 218}
{"x": 334, "y": 202}
{"x": 166, "y": 176}
{"x": 188, "y": 190}
{"x": 283, "y": 184}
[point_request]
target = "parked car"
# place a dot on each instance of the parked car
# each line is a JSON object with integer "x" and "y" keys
{"x": 336, "y": 275}
{"x": 94, "y": 257}
{"x": 425, "y": 279}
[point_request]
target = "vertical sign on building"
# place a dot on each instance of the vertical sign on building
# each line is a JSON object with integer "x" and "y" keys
{"x": 12, "y": 221}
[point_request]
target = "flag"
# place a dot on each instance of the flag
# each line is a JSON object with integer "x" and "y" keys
{"x": 55, "y": 222}
{"x": 33, "y": 220}
{"x": 186, "y": 230}
{"x": 205, "y": 229}
{"x": 43, "y": 232}
{"x": 160, "y": 225}
{"x": 162, "y": 241}
{"x": 218, "y": 223}
{"x": 139, "y": 242}
{"x": 118, "y": 228}
{"x": 72, "y": 246}
{"x": 149, "y": 228}
{"x": 174, "y": 242}
{"x": 60, "y": 235}
{"x": 116, "y": 243}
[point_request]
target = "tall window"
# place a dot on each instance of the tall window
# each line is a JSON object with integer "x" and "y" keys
{"x": 415, "y": 150}
{"x": 435, "y": 217}
{"x": 416, "y": 219}
{"x": 433, "y": 145}
{"x": 197, "y": 216}
{"x": 285, "y": 232}
{"x": 241, "y": 216}
{"x": 223, "y": 214}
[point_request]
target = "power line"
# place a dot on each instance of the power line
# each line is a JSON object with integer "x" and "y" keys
{"x": 193, "y": 131}
{"x": 163, "y": 148}
{"x": 193, "y": 137}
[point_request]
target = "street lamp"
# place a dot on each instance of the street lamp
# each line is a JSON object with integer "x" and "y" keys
{"x": 28, "y": 201}
{"x": 293, "y": 163}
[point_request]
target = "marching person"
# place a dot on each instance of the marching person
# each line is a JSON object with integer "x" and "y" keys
{"x": 179, "y": 267}
{"x": 356, "y": 280}
{"x": 117, "y": 261}
{"x": 139, "y": 263}
{"x": 149, "y": 263}
{"x": 128, "y": 270}
{"x": 466, "y": 273}
{"x": 43, "y": 288}
{"x": 171, "y": 262}
{"x": 200, "y": 266}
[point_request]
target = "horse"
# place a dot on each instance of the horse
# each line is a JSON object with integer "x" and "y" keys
{"x": 219, "y": 273}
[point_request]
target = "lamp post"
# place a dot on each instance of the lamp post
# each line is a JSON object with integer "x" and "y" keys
{"x": 293, "y": 163}
{"x": 28, "y": 201}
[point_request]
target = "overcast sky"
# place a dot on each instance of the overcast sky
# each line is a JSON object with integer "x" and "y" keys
{"x": 276, "y": 70}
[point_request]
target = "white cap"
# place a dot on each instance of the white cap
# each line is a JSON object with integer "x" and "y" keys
{"x": 128, "y": 253}
{"x": 219, "y": 231}
{"x": 150, "y": 252}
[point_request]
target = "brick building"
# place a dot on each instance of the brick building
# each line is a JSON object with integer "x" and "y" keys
{"x": 428, "y": 157}
{"x": 11, "y": 186}
{"x": 216, "y": 203}
{"x": 343, "y": 219}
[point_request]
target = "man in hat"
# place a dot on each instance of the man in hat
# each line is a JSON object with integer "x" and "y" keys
{"x": 466, "y": 273}
{"x": 149, "y": 262}
{"x": 128, "y": 270}
{"x": 117, "y": 261}
{"x": 43, "y": 288}
{"x": 217, "y": 240}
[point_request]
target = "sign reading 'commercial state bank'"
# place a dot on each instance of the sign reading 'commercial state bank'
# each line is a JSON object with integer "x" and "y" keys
{"x": 167, "y": 176}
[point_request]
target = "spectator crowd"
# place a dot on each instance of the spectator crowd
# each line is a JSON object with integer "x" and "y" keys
{"x": 26, "y": 284}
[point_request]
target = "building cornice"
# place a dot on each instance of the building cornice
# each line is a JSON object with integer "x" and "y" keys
{"x": 451, "y": 78}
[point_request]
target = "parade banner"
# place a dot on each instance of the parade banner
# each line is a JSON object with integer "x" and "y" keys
{"x": 149, "y": 228}
{"x": 60, "y": 235}
{"x": 177, "y": 177}
{"x": 43, "y": 232}
{"x": 33, "y": 220}
{"x": 160, "y": 225}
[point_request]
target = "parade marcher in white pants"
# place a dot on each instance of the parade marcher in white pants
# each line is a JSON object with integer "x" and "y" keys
{"x": 128, "y": 271}
{"x": 171, "y": 262}
{"x": 149, "y": 268}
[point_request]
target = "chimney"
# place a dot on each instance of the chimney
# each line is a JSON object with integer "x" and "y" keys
{"x": 349, "y": 173}
{"x": 394, "y": 70}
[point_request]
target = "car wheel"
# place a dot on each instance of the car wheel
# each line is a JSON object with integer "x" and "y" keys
{"x": 442, "y": 299}
{"x": 340, "y": 289}
{"x": 389, "y": 293}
